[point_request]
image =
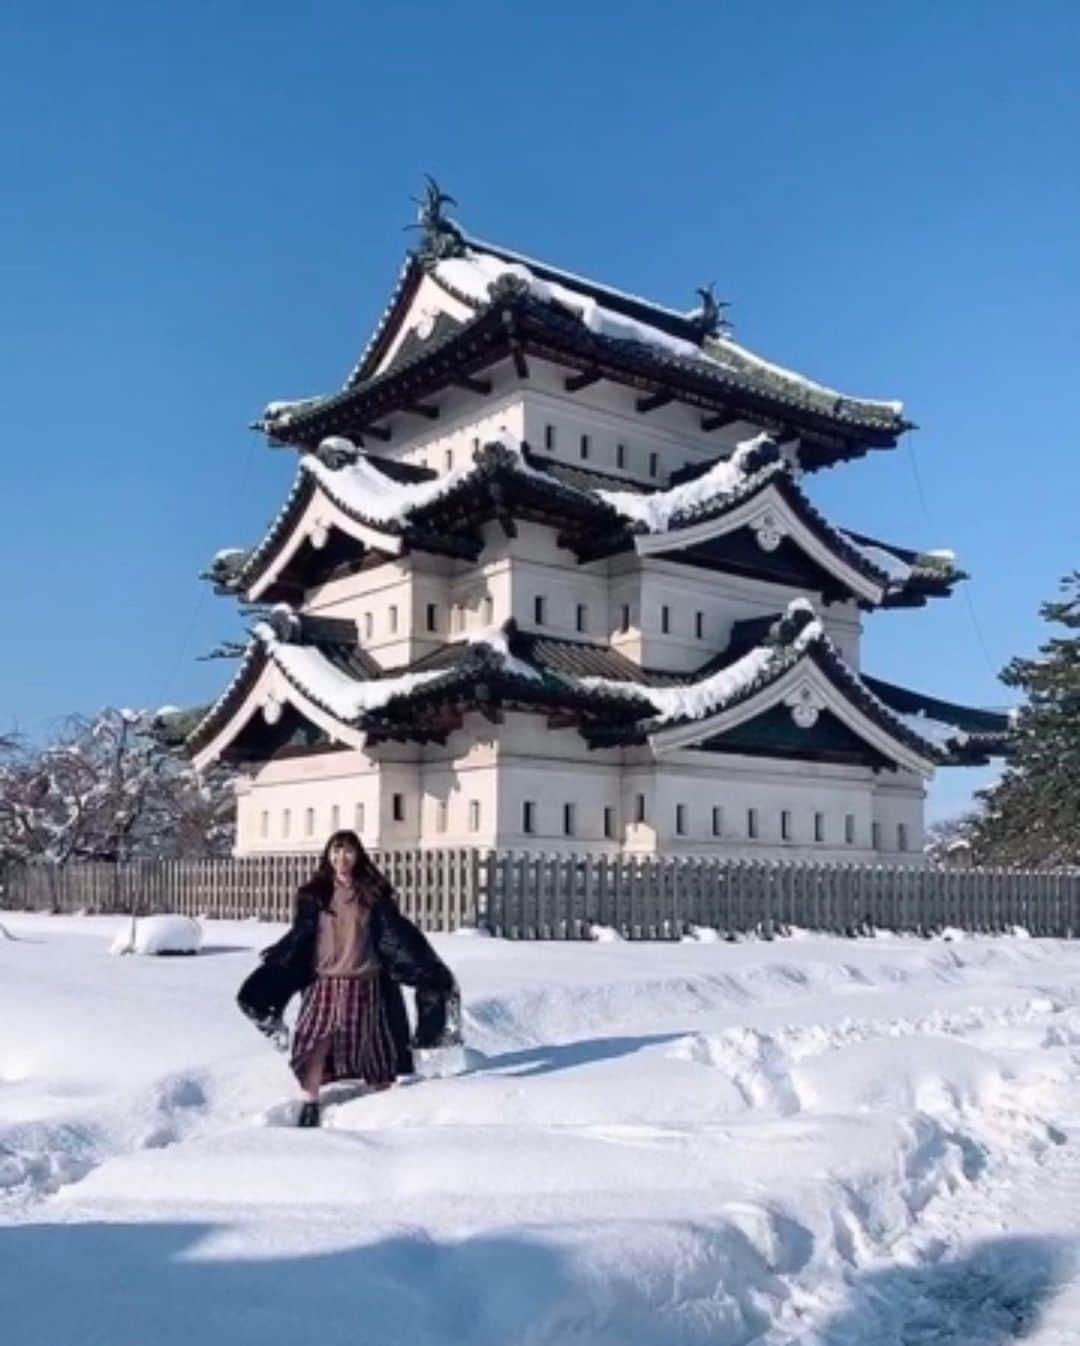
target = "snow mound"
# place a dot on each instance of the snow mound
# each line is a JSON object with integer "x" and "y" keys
{"x": 702, "y": 934}
{"x": 604, "y": 934}
{"x": 160, "y": 934}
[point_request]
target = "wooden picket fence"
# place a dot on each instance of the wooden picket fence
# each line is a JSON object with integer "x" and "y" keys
{"x": 538, "y": 895}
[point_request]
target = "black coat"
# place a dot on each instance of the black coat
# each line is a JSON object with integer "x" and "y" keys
{"x": 405, "y": 957}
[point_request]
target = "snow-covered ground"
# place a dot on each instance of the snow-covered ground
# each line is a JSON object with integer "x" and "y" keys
{"x": 814, "y": 1141}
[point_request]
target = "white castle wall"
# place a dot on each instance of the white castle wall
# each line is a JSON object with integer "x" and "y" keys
{"x": 472, "y": 791}
{"x": 293, "y": 804}
{"x": 555, "y": 420}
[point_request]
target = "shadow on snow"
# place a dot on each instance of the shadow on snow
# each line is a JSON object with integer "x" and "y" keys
{"x": 993, "y": 1295}
{"x": 175, "y": 1285}
{"x": 548, "y": 1057}
{"x": 152, "y": 1285}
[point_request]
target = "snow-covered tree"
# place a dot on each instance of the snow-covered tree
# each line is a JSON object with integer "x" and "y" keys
{"x": 112, "y": 788}
{"x": 948, "y": 841}
{"x": 1032, "y": 816}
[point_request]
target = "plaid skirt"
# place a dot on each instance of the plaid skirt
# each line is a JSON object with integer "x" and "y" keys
{"x": 351, "y": 1012}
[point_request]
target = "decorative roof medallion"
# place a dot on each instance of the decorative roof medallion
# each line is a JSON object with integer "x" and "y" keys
{"x": 426, "y": 323}
{"x": 768, "y": 530}
{"x": 806, "y": 705}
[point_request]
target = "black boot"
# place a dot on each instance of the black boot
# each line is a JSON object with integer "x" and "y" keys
{"x": 309, "y": 1115}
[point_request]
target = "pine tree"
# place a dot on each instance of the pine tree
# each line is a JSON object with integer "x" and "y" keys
{"x": 1032, "y": 816}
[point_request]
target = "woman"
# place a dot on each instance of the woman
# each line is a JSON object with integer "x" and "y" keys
{"x": 348, "y": 948}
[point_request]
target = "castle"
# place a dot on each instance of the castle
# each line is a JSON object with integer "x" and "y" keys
{"x": 549, "y": 578}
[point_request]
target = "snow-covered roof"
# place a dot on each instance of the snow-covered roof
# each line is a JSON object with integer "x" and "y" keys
{"x": 345, "y": 697}
{"x": 366, "y": 491}
{"x": 556, "y": 310}
{"x": 502, "y": 657}
{"x": 698, "y": 699}
{"x": 472, "y": 275}
{"x": 656, "y": 511}
{"x": 596, "y": 518}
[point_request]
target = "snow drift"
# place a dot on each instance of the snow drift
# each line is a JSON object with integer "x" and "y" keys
{"x": 690, "y": 1143}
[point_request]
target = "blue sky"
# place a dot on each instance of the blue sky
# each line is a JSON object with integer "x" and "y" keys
{"x": 204, "y": 209}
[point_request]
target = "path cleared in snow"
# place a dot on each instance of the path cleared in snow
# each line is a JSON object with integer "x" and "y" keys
{"x": 814, "y": 1142}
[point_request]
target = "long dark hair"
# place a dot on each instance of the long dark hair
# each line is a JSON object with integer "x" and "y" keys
{"x": 368, "y": 879}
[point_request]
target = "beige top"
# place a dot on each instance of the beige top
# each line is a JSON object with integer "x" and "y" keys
{"x": 344, "y": 948}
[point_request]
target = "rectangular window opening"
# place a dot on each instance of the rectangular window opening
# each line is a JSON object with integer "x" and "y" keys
{"x": 849, "y": 829}
{"x": 448, "y": 459}
{"x": 539, "y": 610}
{"x": 549, "y": 438}
{"x": 335, "y": 817}
{"x": 584, "y": 447}
{"x": 901, "y": 837}
{"x": 699, "y": 626}
{"x": 528, "y": 817}
{"x": 624, "y": 618}
{"x": 609, "y": 821}
{"x": 474, "y": 815}
{"x": 752, "y": 824}
{"x": 399, "y": 808}
{"x": 717, "y": 821}
{"x": 654, "y": 464}
{"x": 488, "y": 609}
{"x": 620, "y": 455}
{"x": 442, "y": 815}
{"x": 286, "y": 822}
{"x": 568, "y": 811}
{"x": 639, "y": 808}
{"x": 392, "y": 617}
{"x": 680, "y": 820}
{"x": 309, "y": 822}
{"x": 432, "y": 617}
{"x": 819, "y": 827}
{"x": 369, "y": 625}
{"x": 358, "y": 818}
{"x": 264, "y": 823}
{"x": 581, "y": 617}
{"x": 665, "y": 619}
{"x": 875, "y": 836}
{"x": 785, "y": 824}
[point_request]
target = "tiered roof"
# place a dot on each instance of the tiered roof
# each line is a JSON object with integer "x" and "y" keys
{"x": 512, "y": 307}
{"x": 746, "y": 514}
{"x": 786, "y": 664}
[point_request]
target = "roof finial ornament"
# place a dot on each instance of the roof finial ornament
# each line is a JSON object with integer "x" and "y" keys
{"x": 708, "y": 319}
{"x": 440, "y": 237}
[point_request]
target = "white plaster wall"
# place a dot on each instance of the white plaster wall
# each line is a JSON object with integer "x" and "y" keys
{"x": 308, "y": 789}
{"x": 552, "y": 768}
{"x": 372, "y": 594}
{"x": 737, "y": 784}
{"x": 899, "y": 800}
{"x": 466, "y": 423}
{"x": 511, "y": 573}
{"x": 458, "y": 775}
{"x": 522, "y": 759}
{"x": 539, "y": 568}
{"x": 722, "y": 600}
{"x": 607, "y": 413}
